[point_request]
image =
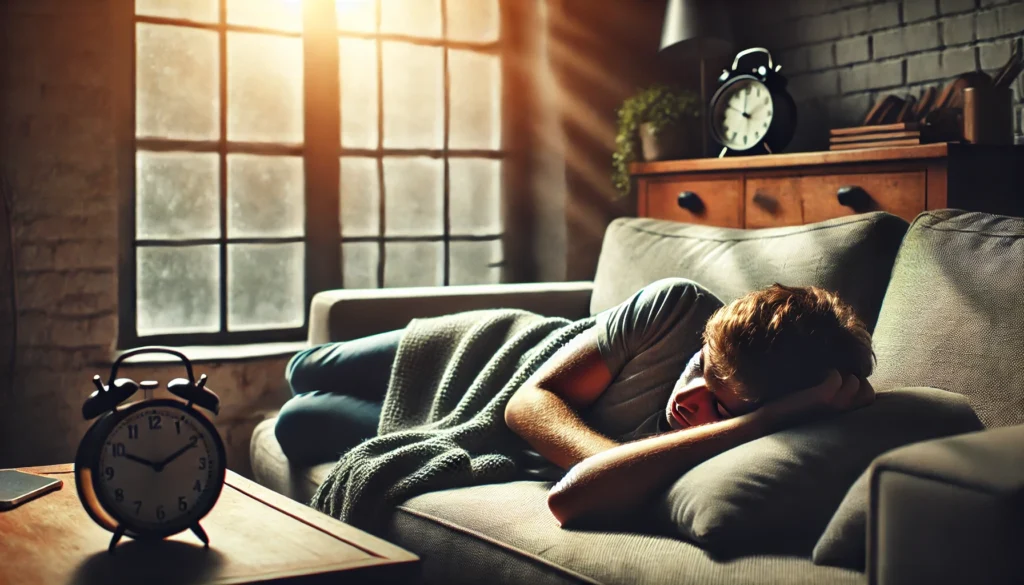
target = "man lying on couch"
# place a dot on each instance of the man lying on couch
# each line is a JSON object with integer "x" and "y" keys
{"x": 609, "y": 404}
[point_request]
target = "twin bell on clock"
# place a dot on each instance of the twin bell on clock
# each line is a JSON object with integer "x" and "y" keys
{"x": 152, "y": 468}
{"x": 751, "y": 112}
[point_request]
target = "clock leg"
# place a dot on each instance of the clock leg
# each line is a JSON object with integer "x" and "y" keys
{"x": 201, "y": 534}
{"x": 118, "y": 533}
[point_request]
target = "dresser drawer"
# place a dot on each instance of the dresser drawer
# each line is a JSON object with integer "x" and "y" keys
{"x": 777, "y": 201}
{"x": 717, "y": 202}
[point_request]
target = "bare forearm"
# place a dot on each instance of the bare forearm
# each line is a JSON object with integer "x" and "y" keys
{"x": 555, "y": 430}
{"x": 617, "y": 480}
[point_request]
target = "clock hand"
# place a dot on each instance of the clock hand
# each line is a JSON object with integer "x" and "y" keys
{"x": 145, "y": 462}
{"x": 159, "y": 466}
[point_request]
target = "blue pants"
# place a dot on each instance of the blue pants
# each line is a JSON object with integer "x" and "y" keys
{"x": 338, "y": 391}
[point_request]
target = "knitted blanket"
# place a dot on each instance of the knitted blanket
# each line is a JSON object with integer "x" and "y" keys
{"x": 442, "y": 424}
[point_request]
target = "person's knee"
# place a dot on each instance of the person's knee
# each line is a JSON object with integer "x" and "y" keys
{"x": 291, "y": 429}
{"x": 300, "y": 373}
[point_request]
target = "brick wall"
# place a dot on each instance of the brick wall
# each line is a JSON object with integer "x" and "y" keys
{"x": 57, "y": 152}
{"x": 841, "y": 56}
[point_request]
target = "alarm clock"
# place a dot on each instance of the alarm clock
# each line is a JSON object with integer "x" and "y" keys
{"x": 151, "y": 468}
{"x": 752, "y": 113}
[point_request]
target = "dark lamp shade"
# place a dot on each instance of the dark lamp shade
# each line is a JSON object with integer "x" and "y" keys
{"x": 695, "y": 28}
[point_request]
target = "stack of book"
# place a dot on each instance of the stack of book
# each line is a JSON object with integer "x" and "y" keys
{"x": 878, "y": 136}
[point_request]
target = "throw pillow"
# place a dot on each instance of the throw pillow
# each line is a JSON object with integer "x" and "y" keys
{"x": 777, "y": 494}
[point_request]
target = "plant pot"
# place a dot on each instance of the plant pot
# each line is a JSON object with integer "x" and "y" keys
{"x": 673, "y": 142}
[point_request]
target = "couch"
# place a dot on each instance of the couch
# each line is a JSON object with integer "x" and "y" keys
{"x": 944, "y": 299}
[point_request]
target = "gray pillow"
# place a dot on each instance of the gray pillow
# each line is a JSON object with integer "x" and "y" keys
{"x": 777, "y": 494}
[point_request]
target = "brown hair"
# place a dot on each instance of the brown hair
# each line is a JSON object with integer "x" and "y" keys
{"x": 774, "y": 341}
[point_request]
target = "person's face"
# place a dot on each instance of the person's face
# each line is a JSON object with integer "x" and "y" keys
{"x": 704, "y": 400}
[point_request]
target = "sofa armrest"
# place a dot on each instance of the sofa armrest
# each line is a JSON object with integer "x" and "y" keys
{"x": 341, "y": 315}
{"x": 949, "y": 511}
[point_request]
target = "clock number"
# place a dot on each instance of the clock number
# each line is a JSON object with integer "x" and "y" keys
{"x": 109, "y": 473}
{"x": 197, "y": 487}
{"x": 182, "y": 504}
{"x": 138, "y": 506}
{"x": 154, "y": 422}
{"x": 202, "y": 463}
{"x": 177, "y": 426}
{"x": 160, "y": 514}
{"x": 193, "y": 440}
{"x": 119, "y": 495}
{"x": 133, "y": 431}
{"x": 117, "y": 449}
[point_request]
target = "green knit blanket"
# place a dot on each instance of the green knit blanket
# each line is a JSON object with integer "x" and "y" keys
{"x": 443, "y": 420}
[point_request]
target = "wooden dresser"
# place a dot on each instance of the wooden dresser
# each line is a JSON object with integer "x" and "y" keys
{"x": 793, "y": 189}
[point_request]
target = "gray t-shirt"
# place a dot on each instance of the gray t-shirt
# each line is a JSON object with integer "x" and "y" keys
{"x": 648, "y": 342}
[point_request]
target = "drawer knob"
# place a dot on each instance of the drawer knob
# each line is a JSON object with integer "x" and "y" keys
{"x": 690, "y": 201}
{"x": 853, "y": 196}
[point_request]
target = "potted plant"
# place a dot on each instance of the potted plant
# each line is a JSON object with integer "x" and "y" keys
{"x": 658, "y": 123}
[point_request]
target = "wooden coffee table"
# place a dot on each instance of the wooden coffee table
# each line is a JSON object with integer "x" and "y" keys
{"x": 256, "y": 536}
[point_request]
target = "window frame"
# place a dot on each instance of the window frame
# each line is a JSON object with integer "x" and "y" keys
{"x": 321, "y": 151}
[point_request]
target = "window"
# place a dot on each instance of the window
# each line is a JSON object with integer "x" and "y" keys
{"x": 284, "y": 147}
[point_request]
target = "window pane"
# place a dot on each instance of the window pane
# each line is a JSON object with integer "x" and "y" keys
{"x": 358, "y": 75}
{"x": 197, "y": 10}
{"x": 475, "y": 196}
{"x": 266, "y": 197}
{"x": 413, "y": 96}
{"x": 356, "y": 15}
{"x": 473, "y": 20}
{"x": 264, "y": 88}
{"x": 418, "y": 18}
{"x": 359, "y": 263}
{"x": 476, "y": 100}
{"x": 413, "y": 196}
{"x": 475, "y": 262}
{"x": 360, "y": 197}
{"x": 176, "y": 83}
{"x": 176, "y": 195}
{"x": 413, "y": 264}
{"x": 266, "y": 284}
{"x": 283, "y": 15}
{"x": 177, "y": 289}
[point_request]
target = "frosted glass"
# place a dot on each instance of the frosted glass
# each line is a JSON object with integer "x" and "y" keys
{"x": 475, "y": 100}
{"x": 176, "y": 83}
{"x": 413, "y": 196}
{"x": 359, "y": 263}
{"x": 360, "y": 197}
{"x": 413, "y": 96}
{"x": 417, "y": 18}
{"x": 356, "y": 15}
{"x": 195, "y": 10}
{"x": 178, "y": 289}
{"x": 475, "y": 196}
{"x": 266, "y": 196}
{"x": 264, "y": 88}
{"x": 473, "y": 20}
{"x": 285, "y": 15}
{"x": 475, "y": 262}
{"x": 413, "y": 264}
{"x": 176, "y": 195}
{"x": 266, "y": 284}
{"x": 358, "y": 74}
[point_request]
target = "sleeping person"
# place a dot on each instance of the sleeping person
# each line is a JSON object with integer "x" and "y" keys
{"x": 668, "y": 378}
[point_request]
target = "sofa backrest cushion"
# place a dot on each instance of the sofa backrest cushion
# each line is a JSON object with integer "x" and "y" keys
{"x": 851, "y": 256}
{"x": 953, "y": 316}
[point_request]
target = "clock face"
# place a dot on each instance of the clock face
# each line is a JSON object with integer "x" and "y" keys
{"x": 743, "y": 114}
{"x": 160, "y": 468}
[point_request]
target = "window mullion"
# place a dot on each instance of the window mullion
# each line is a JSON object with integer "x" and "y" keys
{"x": 222, "y": 148}
{"x": 447, "y": 117}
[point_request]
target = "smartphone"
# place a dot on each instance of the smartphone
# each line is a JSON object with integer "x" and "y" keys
{"x": 17, "y": 487}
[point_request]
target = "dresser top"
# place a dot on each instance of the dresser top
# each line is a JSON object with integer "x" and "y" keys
{"x": 798, "y": 159}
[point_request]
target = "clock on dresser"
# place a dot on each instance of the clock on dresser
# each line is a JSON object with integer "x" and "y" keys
{"x": 799, "y": 188}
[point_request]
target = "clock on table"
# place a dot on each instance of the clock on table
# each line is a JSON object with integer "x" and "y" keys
{"x": 151, "y": 468}
{"x": 752, "y": 113}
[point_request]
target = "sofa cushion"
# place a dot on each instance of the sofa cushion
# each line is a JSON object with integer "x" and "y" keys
{"x": 953, "y": 316}
{"x": 776, "y": 494}
{"x": 271, "y": 468}
{"x": 504, "y": 533}
{"x": 851, "y": 256}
